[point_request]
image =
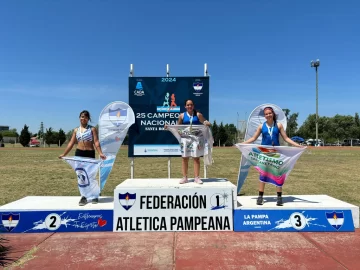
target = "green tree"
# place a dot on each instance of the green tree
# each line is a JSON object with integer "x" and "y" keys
{"x": 10, "y": 133}
{"x": 357, "y": 120}
{"x": 62, "y": 137}
{"x": 287, "y": 113}
{"x": 292, "y": 124}
{"x": 331, "y": 129}
{"x": 55, "y": 138}
{"x": 24, "y": 138}
{"x": 215, "y": 130}
{"x": 49, "y": 136}
{"x": 222, "y": 135}
{"x": 69, "y": 135}
{"x": 40, "y": 135}
{"x": 231, "y": 132}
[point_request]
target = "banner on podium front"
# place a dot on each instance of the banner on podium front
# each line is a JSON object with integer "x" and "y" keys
{"x": 293, "y": 220}
{"x": 171, "y": 209}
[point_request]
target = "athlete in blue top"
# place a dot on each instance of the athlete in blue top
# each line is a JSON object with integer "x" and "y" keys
{"x": 86, "y": 138}
{"x": 270, "y": 131}
{"x": 191, "y": 117}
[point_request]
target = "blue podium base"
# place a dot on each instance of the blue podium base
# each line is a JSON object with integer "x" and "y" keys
{"x": 36, "y": 214}
{"x": 306, "y": 213}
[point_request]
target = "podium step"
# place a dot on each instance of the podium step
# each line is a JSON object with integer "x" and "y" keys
{"x": 308, "y": 213}
{"x": 34, "y": 214}
{"x": 166, "y": 205}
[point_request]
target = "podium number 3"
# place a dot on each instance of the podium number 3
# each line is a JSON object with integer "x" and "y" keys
{"x": 53, "y": 222}
{"x": 298, "y": 221}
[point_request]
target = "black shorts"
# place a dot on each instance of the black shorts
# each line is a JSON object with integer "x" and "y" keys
{"x": 85, "y": 153}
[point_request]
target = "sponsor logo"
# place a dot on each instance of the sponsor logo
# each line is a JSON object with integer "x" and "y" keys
{"x": 139, "y": 91}
{"x": 168, "y": 106}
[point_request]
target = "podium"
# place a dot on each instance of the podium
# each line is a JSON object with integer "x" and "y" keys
{"x": 306, "y": 213}
{"x": 154, "y": 205}
{"x": 37, "y": 214}
{"x": 166, "y": 205}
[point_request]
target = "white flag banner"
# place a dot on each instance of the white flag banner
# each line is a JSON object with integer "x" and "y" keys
{"x": 257, "y": 118}
{"x": 195, "y": 141}
{"x": 114, "y": 123}
{"x": 274, "y": 163}
{"x": 86, "y": 170}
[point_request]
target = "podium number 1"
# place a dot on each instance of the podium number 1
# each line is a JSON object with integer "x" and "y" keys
{"x": 217, "y": 200}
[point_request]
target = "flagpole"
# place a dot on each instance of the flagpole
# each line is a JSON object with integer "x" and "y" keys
{"x": 205, "y": 75}
{"x": 169, "y": 158}
{"x": 132, "y": 163}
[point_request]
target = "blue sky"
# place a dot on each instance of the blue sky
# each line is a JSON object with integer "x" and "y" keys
{"x": 60, "y": 57}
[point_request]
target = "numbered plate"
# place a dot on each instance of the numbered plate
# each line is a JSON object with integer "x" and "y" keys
{"x": 329, "y": 220}
{"x": 56, "y": 221}
{"x": 53, "y": 222}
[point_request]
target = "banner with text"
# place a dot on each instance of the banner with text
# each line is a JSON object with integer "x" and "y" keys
{"x": 274, "y": 163}
{"x": 48, "y": 221}
{"x": 156, "y": 102}
{"x": 173, "y": 209}
{"x": 293, "y": 220}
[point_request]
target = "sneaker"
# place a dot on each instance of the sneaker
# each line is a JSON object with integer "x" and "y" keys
{"x": 279, "y": 201}
{"x": 184, "y": 180}
{"x": 95, "y": 201}
{"x": 82, "y": 201}
{"x": 197, "y": 180}
{"x": 260, "y": 200}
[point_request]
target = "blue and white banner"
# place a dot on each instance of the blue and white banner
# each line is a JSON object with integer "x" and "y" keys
{"x": 86, "y": 170}
{"x": 195, "y": 141}
{"x": 56, "y": 221}
{"x": 114, "y": 122}
{"x": 293, "y": 220}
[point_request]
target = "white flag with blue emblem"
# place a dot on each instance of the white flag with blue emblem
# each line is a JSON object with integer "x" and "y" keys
{"x": 195, "y": 141}
{"x": 86, "y": 170}
{"x": 114, "y": 123}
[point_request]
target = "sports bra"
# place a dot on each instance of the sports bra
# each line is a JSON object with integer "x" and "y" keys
{"x": 187, "y": 119}
{"x": 85, "y": 136}
{"x": 270, "y": 135}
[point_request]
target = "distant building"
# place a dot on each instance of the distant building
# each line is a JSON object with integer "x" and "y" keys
{"x": 2, "y": 128}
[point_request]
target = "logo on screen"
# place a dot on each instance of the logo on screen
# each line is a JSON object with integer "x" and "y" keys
{"x": 139, "y": 91}
{"x": 198, "y": 86}
{"x": 169, "y": 104}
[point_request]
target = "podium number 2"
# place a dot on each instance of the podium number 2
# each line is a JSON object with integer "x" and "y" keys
{"x": 298, "y": 221}
{"x": 53, "y": 222}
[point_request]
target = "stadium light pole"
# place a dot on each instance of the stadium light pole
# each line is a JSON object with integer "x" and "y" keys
{"x": 316, "y": 64}
{"x": 237, "y": 128}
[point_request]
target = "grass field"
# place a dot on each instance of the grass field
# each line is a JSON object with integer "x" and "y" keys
{"x": 38, "y": 172}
